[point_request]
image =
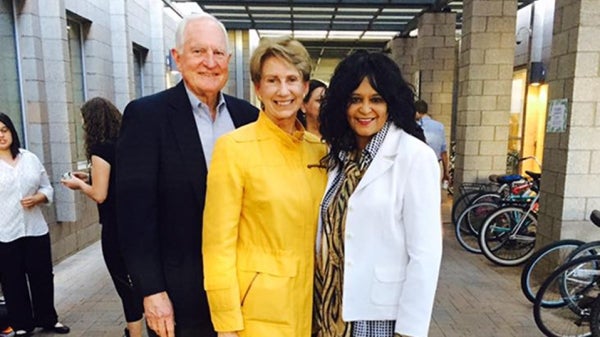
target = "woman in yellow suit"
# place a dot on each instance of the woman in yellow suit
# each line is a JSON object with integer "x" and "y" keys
{"x": 263, "y": 194}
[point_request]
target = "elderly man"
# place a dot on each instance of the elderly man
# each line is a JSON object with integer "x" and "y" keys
{"x": 163, "y": 153}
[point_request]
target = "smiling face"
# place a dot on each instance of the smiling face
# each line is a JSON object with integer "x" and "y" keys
{"x": 203, "y": 59}
{"x": 367, "y": 113}
{"x": 281, "y": 89}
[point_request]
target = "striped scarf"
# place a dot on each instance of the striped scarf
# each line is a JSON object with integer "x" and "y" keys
{"x": 330, "y": 256}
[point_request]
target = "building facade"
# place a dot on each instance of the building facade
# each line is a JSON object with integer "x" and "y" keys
{"x": 58, "y": 54}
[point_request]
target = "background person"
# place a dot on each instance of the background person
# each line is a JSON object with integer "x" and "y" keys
{"x": 379, "y": 246}
{"x": 264, "y": 188}
{"x": 101, "y": 124}
{"x": 25, "y": 255}
{"x": 163, "y": 151}
{"x": 435, "y": 136}
{"x": 311, "y": 105}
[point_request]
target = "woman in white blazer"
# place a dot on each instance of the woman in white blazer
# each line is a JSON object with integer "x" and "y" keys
{"x": 379, "y": 244}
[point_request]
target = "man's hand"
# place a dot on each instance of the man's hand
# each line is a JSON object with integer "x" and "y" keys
{"x": 159, "y": 314}
{"x": 227, "y": 334}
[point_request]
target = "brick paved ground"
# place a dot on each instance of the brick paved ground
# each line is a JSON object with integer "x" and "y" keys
{"x": 475, "y": 297}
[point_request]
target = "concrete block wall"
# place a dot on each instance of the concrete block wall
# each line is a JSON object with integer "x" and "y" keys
{"x": 122, "y": 65}
{"x": 109, "y": 28}
{"x": 484, "y": 92}
{"x": 239, "y": 65}
{"x": 403, "y": 50}
{"x": 571, "y": 181}
{"x": 436, "y": 58}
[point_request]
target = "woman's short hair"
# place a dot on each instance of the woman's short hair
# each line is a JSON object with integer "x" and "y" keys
{"x": 385, "y": 77}
{"x": 284, "y": 48}
{"x": 16, "y": 144}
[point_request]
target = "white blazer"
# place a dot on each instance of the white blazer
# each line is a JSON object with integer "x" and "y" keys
{"x": 393, "y": 238}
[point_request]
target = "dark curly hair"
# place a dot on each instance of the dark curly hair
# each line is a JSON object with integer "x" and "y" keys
{"x": 16, "y": 144}
{"x": 312, "y": 85}
{"x": 101, "y": 122}
{"x": 385, "y": 77}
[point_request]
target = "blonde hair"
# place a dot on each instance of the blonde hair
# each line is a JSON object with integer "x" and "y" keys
{"x": 285, "y": 48}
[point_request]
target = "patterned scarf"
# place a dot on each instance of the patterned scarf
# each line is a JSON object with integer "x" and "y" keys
{"x": 330, "y": 256}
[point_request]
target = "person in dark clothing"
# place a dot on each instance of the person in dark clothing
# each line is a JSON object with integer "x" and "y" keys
{"x": 164, "y": 149}
{"x": 101, "y": 124}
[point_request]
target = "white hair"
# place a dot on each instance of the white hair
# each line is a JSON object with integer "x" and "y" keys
{"x": 193, "y": 17}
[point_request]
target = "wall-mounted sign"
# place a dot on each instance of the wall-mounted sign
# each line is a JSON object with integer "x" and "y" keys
{"x": 557, "y": 115}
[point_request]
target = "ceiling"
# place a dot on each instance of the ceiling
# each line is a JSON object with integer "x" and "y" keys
{"x": 329, "y": 29}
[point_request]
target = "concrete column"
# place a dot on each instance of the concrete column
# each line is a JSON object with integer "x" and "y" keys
{"x": 571, "y": 175}
{"x": 239, "y": 83}
{"x": 403, "y": 52}
{"x": 120, "y": 41}
{"x": 436, "y": 58}
{"x": 50, "y": 123}
{"x": 484, "y": 88}
{"x": 156, "y": 59}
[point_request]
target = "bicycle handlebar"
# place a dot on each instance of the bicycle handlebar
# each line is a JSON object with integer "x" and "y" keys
{"x": 534, "y": 159}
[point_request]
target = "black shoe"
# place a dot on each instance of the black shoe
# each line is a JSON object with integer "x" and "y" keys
{"x": 58, "y": 328}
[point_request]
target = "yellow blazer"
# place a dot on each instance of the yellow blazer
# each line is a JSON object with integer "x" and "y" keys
{"x": 260, "y": 220}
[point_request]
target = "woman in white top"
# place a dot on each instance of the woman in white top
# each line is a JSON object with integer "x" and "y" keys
{"x": 25, "y": 257}
{"x": 380, "y": 238}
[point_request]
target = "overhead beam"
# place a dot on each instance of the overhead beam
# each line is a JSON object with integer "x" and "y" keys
{"x": 437, "y": 6}
{"x": 341, "y": 44}
{"x": 230, "y": 24}
{"x": 317, "y": 3}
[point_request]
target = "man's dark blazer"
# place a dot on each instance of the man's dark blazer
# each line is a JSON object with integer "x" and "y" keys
{"x": 161, "y": 185}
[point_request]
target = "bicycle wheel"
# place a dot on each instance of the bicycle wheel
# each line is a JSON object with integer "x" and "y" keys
{"x": 572, "y": 289}
{"x": 590, "y": 248}
{"x": 484, "y": 197}
{"x": 595, "y": 318}
{"x": 507, "y": 236}
{"x": 461, "y": 203}
{"x": 541, "y": 264}
{"x": 469, "y": 224}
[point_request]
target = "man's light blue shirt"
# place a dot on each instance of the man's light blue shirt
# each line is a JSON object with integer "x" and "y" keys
{"x": 434, "y": 135}
{"x": 210, "y": 130}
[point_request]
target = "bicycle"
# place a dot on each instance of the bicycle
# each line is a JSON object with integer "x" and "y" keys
{"x": 498, "y": 187}
{"x": 551, "y": 256}
{"x": 563, "y": 304}
{"x": 595, "y": 318}
{"x": 507, "y": 236}
{"x": 469, "y": 223}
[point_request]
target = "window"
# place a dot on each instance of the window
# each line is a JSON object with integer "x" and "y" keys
{"x": 10, "y": 99}
{"x": 77, "y": 84}
{"x": 139, "y": 60}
